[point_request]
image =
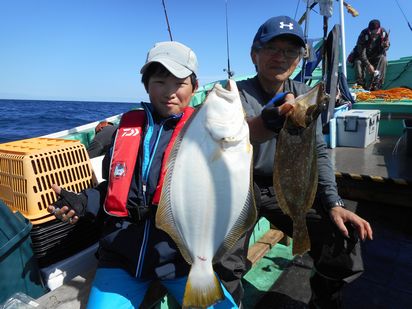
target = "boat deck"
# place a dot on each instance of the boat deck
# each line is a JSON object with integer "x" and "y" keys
{"x": 383, "y": 158}
{"x": 387, "y": 281}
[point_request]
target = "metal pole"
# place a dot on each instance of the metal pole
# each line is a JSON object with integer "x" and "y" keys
{"x": 342, "y": 35}
{"x": 306, "y": 31}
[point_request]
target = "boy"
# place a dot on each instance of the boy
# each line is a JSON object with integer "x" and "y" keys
{"x": 133, "y": 252}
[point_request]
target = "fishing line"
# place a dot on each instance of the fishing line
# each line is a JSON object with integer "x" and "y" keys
{"x": 167, "y": 21}
{"x": 230, "y": 73}
{"x": 410, "y": 27}
{"x": 296, "y": 11}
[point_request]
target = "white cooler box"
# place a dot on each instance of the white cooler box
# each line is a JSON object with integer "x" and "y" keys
{"x": 357, "y": 127}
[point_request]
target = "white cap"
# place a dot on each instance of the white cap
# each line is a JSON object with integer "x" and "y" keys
{"x": 179, "y": 59}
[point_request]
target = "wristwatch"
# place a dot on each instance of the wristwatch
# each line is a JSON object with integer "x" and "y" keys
{"x": 338, "y": 203}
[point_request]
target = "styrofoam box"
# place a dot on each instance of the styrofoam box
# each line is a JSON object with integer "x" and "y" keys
{"x": 357, "y": 127}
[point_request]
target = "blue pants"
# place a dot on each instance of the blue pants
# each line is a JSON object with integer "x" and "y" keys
{"x": 116, "y": 288}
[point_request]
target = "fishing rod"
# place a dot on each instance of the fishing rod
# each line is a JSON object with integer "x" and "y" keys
{"x": 230, "y": 73}
{"x": 403, "y": 13}
{"x": 167, "y": 21}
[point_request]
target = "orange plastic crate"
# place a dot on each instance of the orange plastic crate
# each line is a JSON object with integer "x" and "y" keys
{"x": 29, "y": 167}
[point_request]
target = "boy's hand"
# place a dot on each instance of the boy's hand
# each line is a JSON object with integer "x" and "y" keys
{"x": 274, "y": 113}
{"x": 69, "y": 207}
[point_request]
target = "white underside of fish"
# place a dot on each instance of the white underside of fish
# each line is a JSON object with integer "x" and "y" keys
{"x": 207, "y": 202}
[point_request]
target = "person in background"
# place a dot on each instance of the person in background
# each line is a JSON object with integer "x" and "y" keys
{"x": 277, "y": 49}
{"x": 103, "y": 139}
{"x": 132, "y": 251}
{"x": 369, "y": 55}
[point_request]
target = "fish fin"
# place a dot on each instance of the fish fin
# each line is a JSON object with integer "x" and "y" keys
{"x": 203, "y": 288}
{"x": 301, "y": 240}
{"x": 246, "y": 220}
{"x": 277, "y": 175}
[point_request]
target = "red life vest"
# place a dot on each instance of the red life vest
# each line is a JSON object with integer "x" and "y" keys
{"x": 124, "y": 157}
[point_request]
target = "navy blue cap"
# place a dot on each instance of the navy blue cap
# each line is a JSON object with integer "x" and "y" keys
{"x": 277, "y": 26}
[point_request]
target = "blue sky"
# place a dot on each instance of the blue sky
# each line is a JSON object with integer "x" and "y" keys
{"x": 93, "y": 49}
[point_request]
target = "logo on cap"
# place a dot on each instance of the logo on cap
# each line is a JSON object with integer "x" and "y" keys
{"x": 283, "y": 25}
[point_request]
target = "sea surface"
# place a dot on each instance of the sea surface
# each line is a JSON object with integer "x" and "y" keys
{"x": 20, "y": 119}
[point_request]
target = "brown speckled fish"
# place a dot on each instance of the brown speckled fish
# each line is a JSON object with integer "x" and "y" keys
{"x": 295, "y": 175}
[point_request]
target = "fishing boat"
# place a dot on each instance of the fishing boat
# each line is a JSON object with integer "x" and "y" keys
{"x": 376, "y": 182}
{"x": 275, "y": 272}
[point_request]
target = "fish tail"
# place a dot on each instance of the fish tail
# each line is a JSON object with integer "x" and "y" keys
{"x": 301, "y": 240}
{"x": 202, "y": 288}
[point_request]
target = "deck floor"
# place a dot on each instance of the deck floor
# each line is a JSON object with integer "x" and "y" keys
{"x": 387, "y": 281}
{"x": 382, "y": 158}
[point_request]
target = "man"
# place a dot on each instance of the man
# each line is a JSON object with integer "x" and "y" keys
{"x": 369, "y": 55}
{"x": 276, "y": 51}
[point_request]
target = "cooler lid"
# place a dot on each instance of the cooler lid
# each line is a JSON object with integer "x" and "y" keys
{"x": 359, "y": 113}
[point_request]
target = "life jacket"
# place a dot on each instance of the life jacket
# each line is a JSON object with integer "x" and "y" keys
{"x": 124, "y": 157}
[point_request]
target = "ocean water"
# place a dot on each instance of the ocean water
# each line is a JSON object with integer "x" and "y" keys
{"x": 20, "y": 119}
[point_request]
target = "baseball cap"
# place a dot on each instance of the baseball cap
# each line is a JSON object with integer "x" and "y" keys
{"x": 278, "y": 26}
{"x": 179, "y": 59}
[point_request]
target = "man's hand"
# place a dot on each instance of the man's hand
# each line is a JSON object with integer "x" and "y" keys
{"x": 340, "y": 216}
{"x": 371, "y": 69}
{"x": 69, "y": 206}
{"x": 274, "y": 113}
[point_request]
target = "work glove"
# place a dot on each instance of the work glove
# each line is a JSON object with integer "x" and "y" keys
{"x": 272, "y": 118}
{"x": 75, "y": 201}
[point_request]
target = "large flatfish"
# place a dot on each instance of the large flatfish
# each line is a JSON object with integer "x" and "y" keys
{"x": 295, "y": 176}
{"x": 207, "y": 200}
